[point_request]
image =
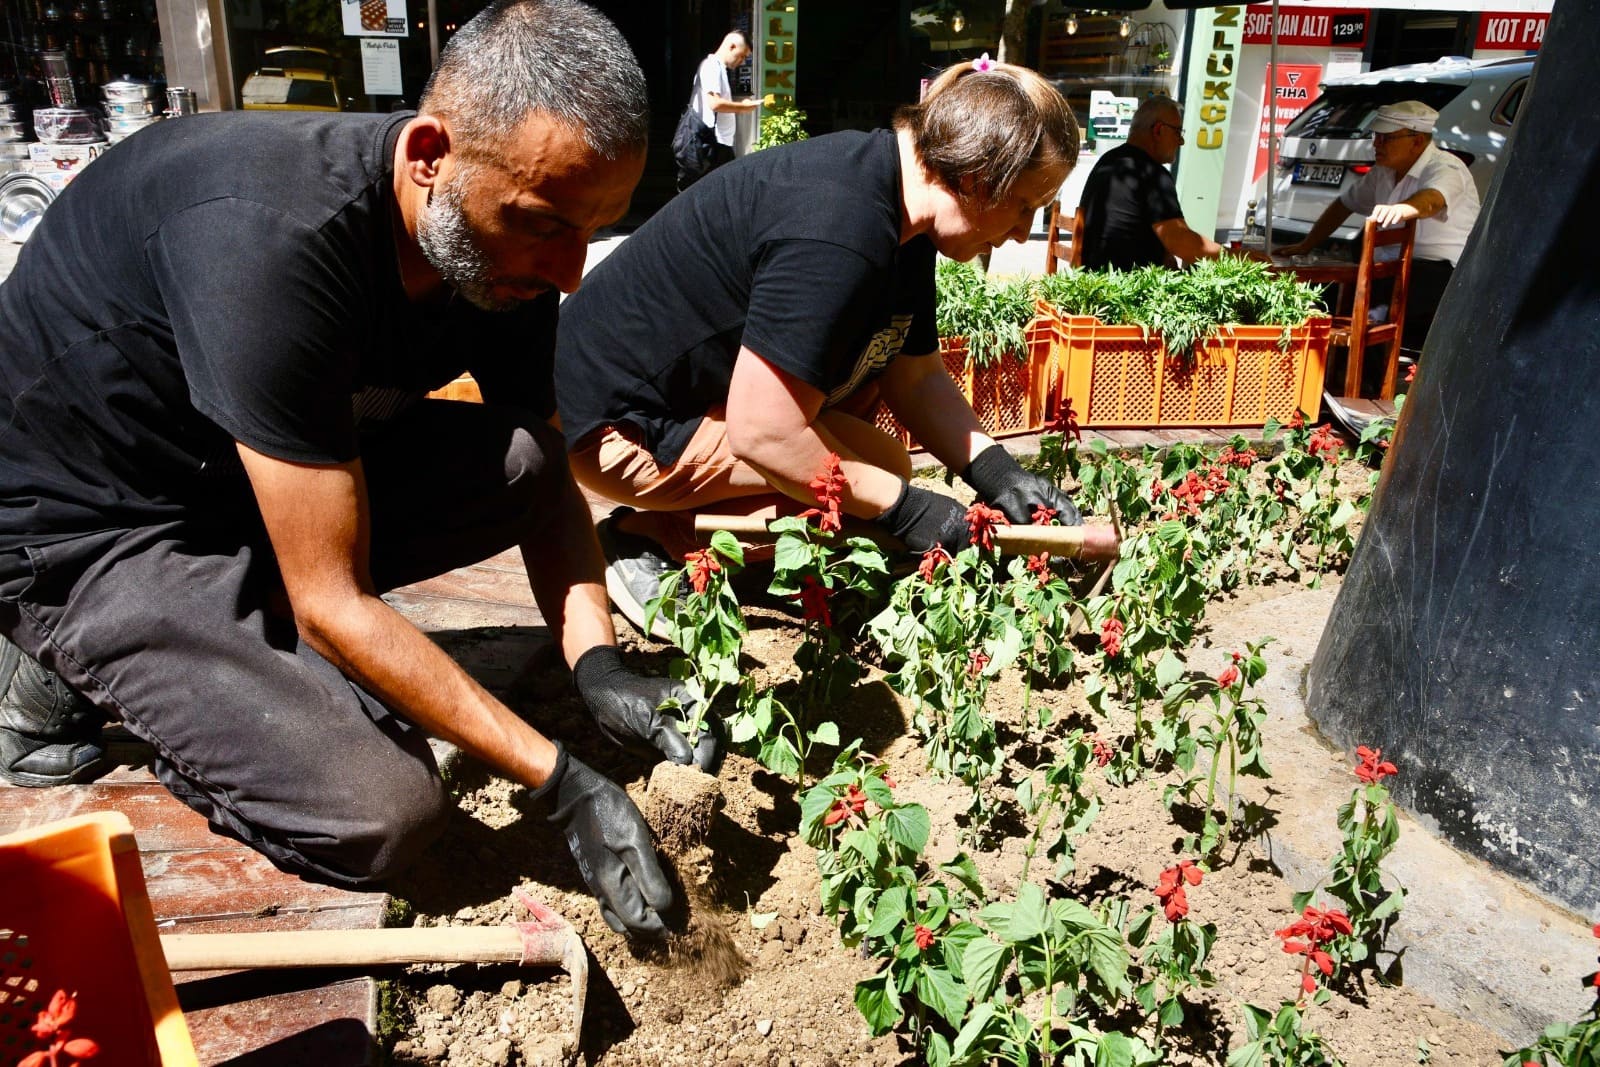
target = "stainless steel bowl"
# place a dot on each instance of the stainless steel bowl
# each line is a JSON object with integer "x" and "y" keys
{"x": 23, "y": 199}
{"x": 12, "y": 112}
{"x": 11, "y": 151}
{"x": 129, "y": 108}
{"x": 128, "y": 91}
{"x": 13, "y": 131}
{"x": 130, "y": 124}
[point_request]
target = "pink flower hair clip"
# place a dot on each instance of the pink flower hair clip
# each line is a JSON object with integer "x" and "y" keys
{"x": 982, "y": 64}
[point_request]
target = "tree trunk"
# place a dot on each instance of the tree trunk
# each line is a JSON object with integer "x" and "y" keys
{"x": 1014, "y": 33}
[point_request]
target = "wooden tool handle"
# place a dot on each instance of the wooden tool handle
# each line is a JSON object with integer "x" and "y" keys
{"x": 1073, "y": 542}
{"x": 351, "y": 948}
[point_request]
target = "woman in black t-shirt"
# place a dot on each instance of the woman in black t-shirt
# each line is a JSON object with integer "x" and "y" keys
{"x": 726, "y": 348}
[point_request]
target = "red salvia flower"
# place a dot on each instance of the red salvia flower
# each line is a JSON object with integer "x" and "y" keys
{"x": 1170, "y": 889}
{"x": 1065, "y": 423}
{"x": 854, "y": 802}
{"x": 1043, "y": 516}
{"x": 977, "y": 663}
{"x": 1323, "y": 443}
{"x": 1297, "y": 421}
{"x": 1229, "y": 677}
{"x": 702, "y": 564}
{"x": 1039, "y": 567}
{"x": 1157, "y": 487}
{"x": 1317, "y": 927}
{"x": 981, "y": 520}
{"x": 813, "y": 597}
{"x": 924, "y": 937}
{"x": 1102, "y": 751}
{"x": 1111, "y": 636}
{"x": 930, "y": 562}
{"x": 1373, "y": 767}
{"x": 828, "y": 488}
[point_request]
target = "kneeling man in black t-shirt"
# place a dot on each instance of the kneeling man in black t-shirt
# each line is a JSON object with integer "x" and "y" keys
{"x": 717, "y": 357}
{"x": 215, "y": 455}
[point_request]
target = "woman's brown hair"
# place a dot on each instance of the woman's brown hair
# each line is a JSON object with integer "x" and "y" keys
{"x": 992, "y": 123}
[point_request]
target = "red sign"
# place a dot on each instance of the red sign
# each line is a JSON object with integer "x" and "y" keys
{"x": 1317, "y": 27}
{"x": 1296, "y": 88}
{"x": 1510, "y": 31}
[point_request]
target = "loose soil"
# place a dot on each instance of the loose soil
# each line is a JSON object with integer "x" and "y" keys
{"x": 754, "y": 975}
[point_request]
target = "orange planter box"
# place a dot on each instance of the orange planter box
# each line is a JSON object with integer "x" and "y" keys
{"x": 1117, "y": 377}
{"x": 1009, "y": 395}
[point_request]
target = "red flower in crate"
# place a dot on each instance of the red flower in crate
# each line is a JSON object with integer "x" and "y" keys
{"x": 702, "y": 564}
{"x": 981, "y": 520}
{"x": 54, "y": 1025}
{"x": 1170, "y": 889}
{"x": 1373, "y": 767}
{"x": 1111, "y": 635}
{"x": 828, "y": 488}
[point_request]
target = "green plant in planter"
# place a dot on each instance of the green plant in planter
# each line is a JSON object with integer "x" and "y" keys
{"x": 1185, "y": 306}
{"x": 781, "y": 123}
{"x": 991, "y": 315}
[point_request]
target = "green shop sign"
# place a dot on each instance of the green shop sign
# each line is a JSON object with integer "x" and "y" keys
{"x": 1213, "y": 74}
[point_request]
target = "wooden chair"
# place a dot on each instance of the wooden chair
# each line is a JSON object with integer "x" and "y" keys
{"x": 1353, "y": 332}
{"x": 1065, "y": 243}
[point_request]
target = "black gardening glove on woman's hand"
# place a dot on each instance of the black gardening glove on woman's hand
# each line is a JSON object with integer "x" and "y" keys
{"x": 1001, "y": 481}
{"x": 626, "y": 706}
{"x": 609, "y": 839}
{"x": 923, "y": 519}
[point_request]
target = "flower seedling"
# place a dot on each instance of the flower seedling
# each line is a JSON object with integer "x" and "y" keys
{"x": 54, "y": 1027}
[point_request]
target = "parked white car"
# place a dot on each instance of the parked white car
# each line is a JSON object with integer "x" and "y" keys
{"x": 1328, "y": 147}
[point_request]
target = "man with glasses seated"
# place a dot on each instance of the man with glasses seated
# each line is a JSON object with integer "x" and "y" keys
{"x": 1131, "y": 214}
{"x": 1412, "y": 179}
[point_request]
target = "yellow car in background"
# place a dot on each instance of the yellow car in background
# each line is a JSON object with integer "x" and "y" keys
{"x": 293, "y": 78}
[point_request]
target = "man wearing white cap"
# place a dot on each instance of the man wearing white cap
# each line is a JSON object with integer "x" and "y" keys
{"x": 1413, "y": 179}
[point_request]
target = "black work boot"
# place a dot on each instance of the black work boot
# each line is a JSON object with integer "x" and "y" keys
{"x": 49, "y": 735}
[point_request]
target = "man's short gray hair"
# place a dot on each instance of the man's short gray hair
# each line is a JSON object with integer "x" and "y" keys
{"x": 559, "y": 57}
{"x": 1154, "y": 109}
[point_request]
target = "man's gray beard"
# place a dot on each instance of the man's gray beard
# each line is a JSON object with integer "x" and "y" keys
{"x": 450, "y": 245}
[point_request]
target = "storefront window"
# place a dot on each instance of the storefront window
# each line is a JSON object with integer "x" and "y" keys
{"x": 334, "y": 55}
{"x": 1107, "y": 64}
{"x": 87, "y": 42}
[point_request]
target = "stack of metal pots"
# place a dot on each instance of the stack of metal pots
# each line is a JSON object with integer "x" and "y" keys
{"x": 130, "y": 106}
{"x": 13, "y": 129}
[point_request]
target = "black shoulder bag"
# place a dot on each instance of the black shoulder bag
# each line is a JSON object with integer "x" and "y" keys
{"x": 693, "y": 142}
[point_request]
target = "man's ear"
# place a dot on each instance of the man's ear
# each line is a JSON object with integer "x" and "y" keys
{"x": 424, "y": 144}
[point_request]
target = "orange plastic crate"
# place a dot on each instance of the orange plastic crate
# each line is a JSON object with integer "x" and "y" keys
{"x": 1009, "y": 395}
{"x": 1117, "y": 377}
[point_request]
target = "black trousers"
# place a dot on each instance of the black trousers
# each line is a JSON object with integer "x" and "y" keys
{"x": 179, "y": 632}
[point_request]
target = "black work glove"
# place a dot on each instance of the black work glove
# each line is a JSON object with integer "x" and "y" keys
{"x": 626, "y": 706}
{"x": 1000, "y": 480}
{"x": 609, "y": 839}
{"x": 923, "y": 519}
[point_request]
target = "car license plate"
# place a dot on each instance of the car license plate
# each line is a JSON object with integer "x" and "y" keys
{"x": 1319, "y": 173}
